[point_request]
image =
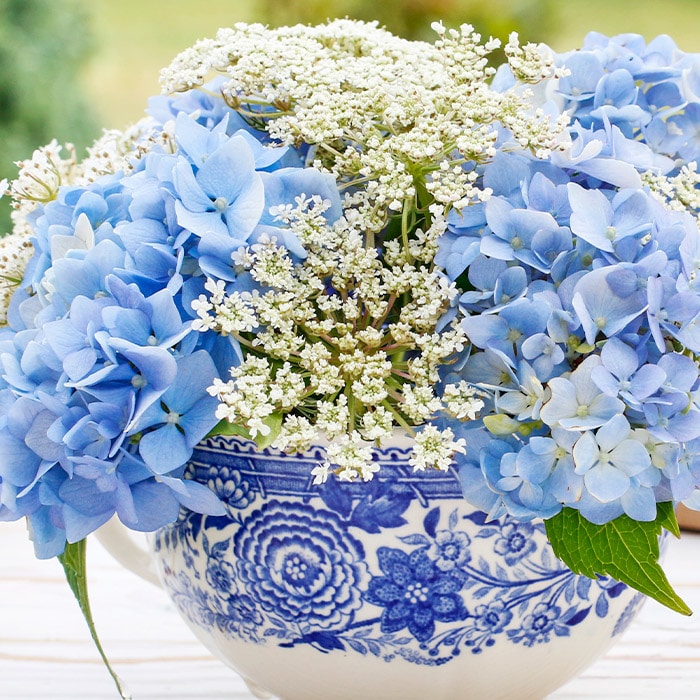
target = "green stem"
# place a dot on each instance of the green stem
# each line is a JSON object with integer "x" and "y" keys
{"x": 400, "y": 420}
{"x": 73, "y": 561}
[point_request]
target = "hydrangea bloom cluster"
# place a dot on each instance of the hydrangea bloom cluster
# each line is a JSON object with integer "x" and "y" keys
{"x": 581, "y": 297}
{"x": 342, "y": 233}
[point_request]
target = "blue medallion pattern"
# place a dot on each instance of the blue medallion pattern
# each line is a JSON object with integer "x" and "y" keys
{"x": 398, "y": 567}
{"x": 300, "y": 565}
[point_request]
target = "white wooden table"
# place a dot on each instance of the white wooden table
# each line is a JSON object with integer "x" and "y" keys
{"x": 46, "y": 652}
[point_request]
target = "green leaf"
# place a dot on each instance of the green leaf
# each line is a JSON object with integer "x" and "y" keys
{"x": 74, "y": 564}
{"x": 666, "y": 517}
{"x": 626, "y": 549}
{"x": 274, "y": 423}
{"x": 225, "y": 427}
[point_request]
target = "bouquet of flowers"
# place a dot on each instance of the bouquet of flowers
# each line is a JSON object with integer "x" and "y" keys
{"x": 334, "y": 231}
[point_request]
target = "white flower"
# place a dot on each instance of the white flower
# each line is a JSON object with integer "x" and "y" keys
{"x": 420, "y": 403}
{"x": 461, "y": 400}
{"x": 351, "y": 338}
{"x": 333, "y": 417}
{"x": 297, "y": 435}
{"x": 377, "y": 424}
{"x": 368, "y": 470}
{"x": 15, "y": 251}
{"x": 347, "y": 474}
{"x": 320, "y": 473}
{"x": 435, "y": 449}
{"x": 352, "y": 456}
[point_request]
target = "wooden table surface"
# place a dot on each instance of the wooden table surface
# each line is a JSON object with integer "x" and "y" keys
{"x": 46, "y": 652}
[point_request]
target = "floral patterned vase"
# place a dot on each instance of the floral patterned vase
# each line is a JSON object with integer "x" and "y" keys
{"x": 394, "y": 589}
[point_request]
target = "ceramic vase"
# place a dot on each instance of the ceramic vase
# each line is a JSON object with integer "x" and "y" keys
{"x": 395, "y": 589}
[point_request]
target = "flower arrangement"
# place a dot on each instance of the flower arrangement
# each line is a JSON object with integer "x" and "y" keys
{"x": 331, "y": 231}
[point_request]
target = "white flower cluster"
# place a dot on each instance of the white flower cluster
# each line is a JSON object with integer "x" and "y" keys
{"x": 382, "y": 112}
{"x": 38, "y": 182}
{"x": 531, "y": 63}
{"x": 53, "y": 165}
{"x": 349, "y": 355}
{"x": 678, "y": 192}
{"x": 116, "y": 150}
{"x": 347, "y": 344}
{"x": 41, "y": 175}
{"x": 15, "y": 252}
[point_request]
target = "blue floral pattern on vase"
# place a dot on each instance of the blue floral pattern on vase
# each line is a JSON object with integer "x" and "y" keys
{"x": 399, "y": 567}
{"x": 414, "y": 593}
{"x": 299, "y": 564}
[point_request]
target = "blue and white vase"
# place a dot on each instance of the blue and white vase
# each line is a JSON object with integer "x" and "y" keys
{"x": 394, "y": 589}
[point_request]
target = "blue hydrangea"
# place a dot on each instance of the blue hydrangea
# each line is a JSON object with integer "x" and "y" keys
{"x": 645, "y": 89}
{"x": 579, "y": 295}
{"x": 104, "y": 382}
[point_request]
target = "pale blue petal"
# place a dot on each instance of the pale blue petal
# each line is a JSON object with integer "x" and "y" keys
{"x": 192, "y": 197}
{"x": 155, "y": 506}
{"x": 605, "y": 381}
{"x": 228, "y": 171}
{"x": 619, "y": 358}
{"x": 639, "y": 504}
{"x": 78, "y": 364}
{"x": 164, "y": 449}
{"x": 606, "y": 483}
{"x": 195, "y": 496}
{"x": 585, "y": 453}
{"x": 647, "y": 380}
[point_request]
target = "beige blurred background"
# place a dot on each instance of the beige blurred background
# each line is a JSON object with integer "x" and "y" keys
{"x": 134, "y": 39}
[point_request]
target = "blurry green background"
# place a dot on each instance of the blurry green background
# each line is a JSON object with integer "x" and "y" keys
{"x": 70, "y": 67}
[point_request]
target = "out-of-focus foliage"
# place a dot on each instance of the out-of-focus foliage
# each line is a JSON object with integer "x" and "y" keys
{"x": 43, "y": 44}
{"x": 534, "y": 19}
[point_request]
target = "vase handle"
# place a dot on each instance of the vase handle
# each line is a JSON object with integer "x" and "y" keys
{"x": 129, "y": 549}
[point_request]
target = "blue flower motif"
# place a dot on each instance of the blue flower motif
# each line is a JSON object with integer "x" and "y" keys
{"x": 301, "y": 564}
{"x": 241, "y": 617}
{"x": 230, "y": 486}
{"x": 515, "y": 541}
{"x": 492, "y": 618}
{"x": 415, "y": 593}
{"x": 221, "y": 576}
{"x": 538, "y": 626}
{"x": 450, "y": 550}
